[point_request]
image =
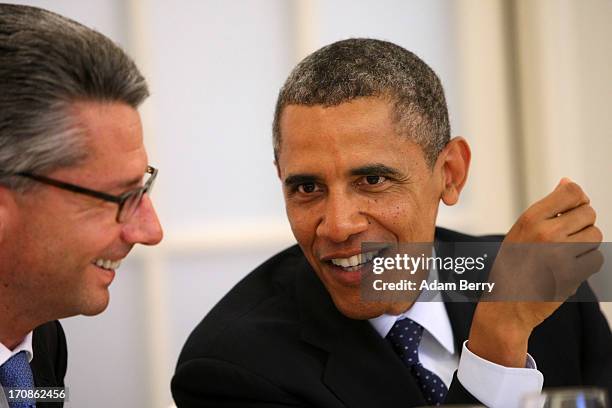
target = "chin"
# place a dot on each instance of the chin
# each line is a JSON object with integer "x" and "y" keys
{"x": 357, "y": 309}
{"x": 95, "y": 305}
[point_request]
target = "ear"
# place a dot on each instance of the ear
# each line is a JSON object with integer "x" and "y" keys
{"x": 454, "y": 163}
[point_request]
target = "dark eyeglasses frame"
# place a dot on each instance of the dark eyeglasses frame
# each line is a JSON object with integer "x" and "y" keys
{"x": 120, "y": 200}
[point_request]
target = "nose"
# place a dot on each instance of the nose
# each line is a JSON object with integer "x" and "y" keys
{"x": 342, "y": 218}
{"x": 144, "y": 227}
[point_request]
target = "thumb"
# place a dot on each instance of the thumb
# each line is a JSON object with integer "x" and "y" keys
{"x": 564, "y": 180}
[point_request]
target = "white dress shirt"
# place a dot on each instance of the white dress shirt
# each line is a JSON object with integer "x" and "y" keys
{"x": 493, "y": 385}
{"x": 25, "y": 345}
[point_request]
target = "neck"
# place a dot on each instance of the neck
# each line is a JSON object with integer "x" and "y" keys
{"x": 11, "y": 337}
{"x": 21, "y": 310}
{"x": 11, "y": 342}
{"x": 14, "y": 326}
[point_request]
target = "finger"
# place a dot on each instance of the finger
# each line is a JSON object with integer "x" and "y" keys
{"x": 573, "y": 221}
{"x": 588, "y": 234}
{"x": 582, "y": 268}
{"x": 588, "y": 264}
{"x": 564, "y": 251}
{"x": 566, "y": 196}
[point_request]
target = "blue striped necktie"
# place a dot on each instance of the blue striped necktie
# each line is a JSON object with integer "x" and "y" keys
{"x": 405, "y": 336}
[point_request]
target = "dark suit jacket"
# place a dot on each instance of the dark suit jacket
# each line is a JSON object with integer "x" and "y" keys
{"x": 50, "y": 358}
{"x": 277, "y": 340}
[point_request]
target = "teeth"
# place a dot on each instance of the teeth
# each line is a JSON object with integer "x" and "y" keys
{"x": 340, "y": 262}
{"x": 107, "y": 263}
{"x": 354, "y": 261}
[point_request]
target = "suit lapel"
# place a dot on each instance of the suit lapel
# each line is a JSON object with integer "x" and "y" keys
{"x": 460, "y": 315}
{"x": 42, "y": 366}
{"x": 459, "y": 309}
{"x": 361, "y": 368}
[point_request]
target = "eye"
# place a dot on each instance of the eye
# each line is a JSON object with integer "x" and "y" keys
{"x": 373, "y": 180}
{"x": 372, "y": 183}
{"x": 306, "y": 188}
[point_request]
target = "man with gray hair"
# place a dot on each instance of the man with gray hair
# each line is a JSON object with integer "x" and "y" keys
{"x": 74, "y": 184}
{"x": 363, "y": 150}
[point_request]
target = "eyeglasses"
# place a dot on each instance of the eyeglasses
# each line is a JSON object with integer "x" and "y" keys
{"x": 128, "y": 202}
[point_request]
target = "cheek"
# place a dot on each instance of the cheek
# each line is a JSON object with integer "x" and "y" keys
{"x": 302, "y": 223}
{"x": 398, "y": 217}
{"x": 392, "y": 206}
{"x": 408, "y": 217}
{"x": 75, "y": 244}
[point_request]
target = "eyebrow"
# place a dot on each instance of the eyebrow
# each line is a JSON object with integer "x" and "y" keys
{"x": 375, "y": 169}
{"x": 128, "y": 183}
{"x": 295, "y": 179}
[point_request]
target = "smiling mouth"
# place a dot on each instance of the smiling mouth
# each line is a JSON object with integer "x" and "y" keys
{"x": 106, "y": 264}
{"x": 355, "y": 262}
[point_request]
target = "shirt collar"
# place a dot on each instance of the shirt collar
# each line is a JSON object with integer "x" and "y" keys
{"x": 430, "y": 314}
{"x": 25, "y": 345}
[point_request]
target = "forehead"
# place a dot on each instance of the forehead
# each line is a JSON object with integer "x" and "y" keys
{"x": 113, "y": 140}
{"x": 109, "y": 126}
{"x": 351, "y": 133}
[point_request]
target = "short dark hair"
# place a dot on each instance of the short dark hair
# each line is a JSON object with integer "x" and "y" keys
{"x": 47, "y": 63}
{"x": 364, "y": 67}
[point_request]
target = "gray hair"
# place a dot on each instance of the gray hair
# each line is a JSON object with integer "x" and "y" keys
{"x": 47, "y": 63}
{"x": 363, "y": 67}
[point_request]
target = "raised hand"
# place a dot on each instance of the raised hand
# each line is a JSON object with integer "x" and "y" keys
{"x": 547, "y": 253}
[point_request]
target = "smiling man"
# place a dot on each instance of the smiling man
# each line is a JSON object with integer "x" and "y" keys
{"x": 363, "y": 151}
{"x": 74, "y": 184}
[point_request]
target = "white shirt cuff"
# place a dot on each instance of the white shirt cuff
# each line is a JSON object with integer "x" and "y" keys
{"x": 497, "y": 386}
